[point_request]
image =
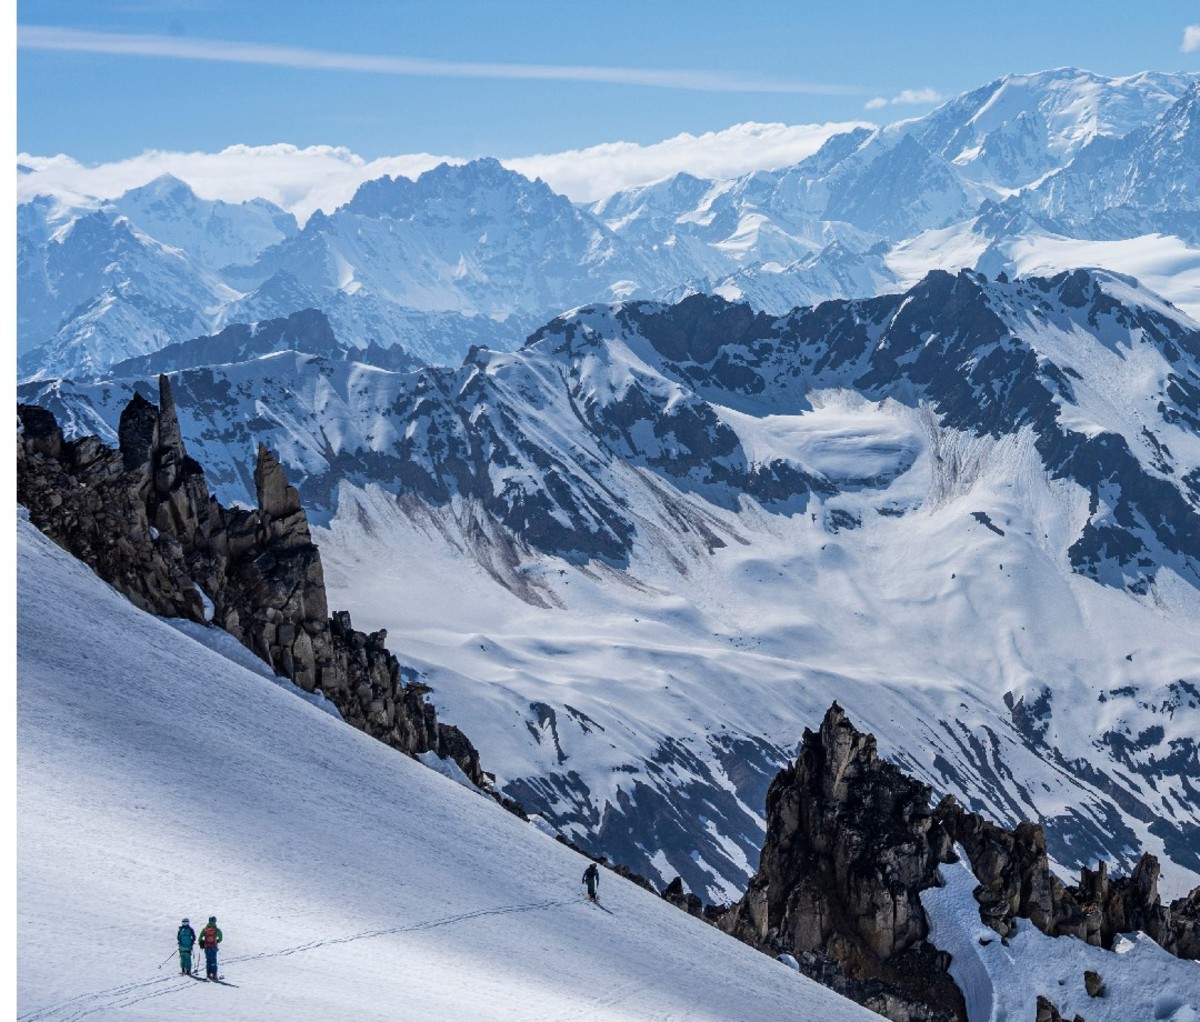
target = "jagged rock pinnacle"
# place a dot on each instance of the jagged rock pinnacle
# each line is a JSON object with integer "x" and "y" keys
{"x": 275, "y": 496}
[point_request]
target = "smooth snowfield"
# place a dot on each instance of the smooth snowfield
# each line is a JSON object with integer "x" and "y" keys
{"x": 158, "y": 779}
{"x": 1002, "y": 981}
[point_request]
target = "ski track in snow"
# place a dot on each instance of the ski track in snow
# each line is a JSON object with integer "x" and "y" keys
{"x": 132, "y": 993}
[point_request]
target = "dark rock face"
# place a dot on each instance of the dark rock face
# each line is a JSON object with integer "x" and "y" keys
{"x": 142, "y": 518}
{"x": 851, "y": 843}
{"x": 1047, "y": 1011}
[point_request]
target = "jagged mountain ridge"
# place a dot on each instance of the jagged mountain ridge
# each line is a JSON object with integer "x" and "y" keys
{"x": 307, "y": 331}
{"x": 100, "y": 290}
{"x": 512, "y": 244}
{"x": 477, "y": 254}
{"x": 796, "y": 509}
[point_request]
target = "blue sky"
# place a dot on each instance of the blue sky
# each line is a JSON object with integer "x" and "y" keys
{"x": 106, "y": 80}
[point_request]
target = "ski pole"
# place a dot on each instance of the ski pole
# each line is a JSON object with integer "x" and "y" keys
{"x": 169, "y": 957}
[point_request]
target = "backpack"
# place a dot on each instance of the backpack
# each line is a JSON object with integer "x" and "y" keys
{"x": 208, "y": 936}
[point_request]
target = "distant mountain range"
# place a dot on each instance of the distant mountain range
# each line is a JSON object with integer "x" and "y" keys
{"x": 1030, "y": 173}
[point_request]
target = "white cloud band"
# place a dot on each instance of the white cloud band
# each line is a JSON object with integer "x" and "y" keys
{"x": 1191, "y": 39}
{"x": 324, "y": 177}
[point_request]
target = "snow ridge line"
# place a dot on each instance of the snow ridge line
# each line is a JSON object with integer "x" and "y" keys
{"x": 127, "y": 994}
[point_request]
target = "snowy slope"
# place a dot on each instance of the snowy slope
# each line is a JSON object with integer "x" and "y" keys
{"x": 158, "y": 778}
{"x": 1162, "y": 263}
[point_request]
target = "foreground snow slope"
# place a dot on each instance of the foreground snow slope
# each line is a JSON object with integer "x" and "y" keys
{"x": 158, "y": 778}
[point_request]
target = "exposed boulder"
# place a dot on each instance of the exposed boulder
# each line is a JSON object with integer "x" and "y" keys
{"x": 1047, "y": 1011}
{"x": 686, "y": 900}
{"x": 142, "y": 518}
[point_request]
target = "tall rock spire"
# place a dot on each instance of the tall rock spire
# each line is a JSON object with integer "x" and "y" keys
{"x": 169, "y": 434}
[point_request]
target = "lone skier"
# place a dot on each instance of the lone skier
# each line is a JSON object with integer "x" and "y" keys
{"x": 210, "y": 937}
{"x": 187, "y": 940}
{"x": 591, "y": 877}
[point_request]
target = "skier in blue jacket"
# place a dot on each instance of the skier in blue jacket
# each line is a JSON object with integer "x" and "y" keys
{"x": 186, "y": 937}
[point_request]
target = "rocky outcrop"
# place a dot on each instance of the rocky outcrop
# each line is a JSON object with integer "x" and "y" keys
{"x": 1015, "y": 880}
{"x": 850, "y": 844}
{"x": 143, "y": 519}
{"x": 681, "y": 899}
{"x": 1047, "y": 1011}
{"x": 1184, "y": 926}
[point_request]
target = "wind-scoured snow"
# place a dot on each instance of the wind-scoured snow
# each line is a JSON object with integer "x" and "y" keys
{"x": 159, "y": 779}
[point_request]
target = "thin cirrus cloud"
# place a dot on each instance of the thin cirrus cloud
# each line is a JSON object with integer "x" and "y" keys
{"x": 46, "y": 37}
{"x": 908, "y": 97}
{"x": 1191, "y": 39}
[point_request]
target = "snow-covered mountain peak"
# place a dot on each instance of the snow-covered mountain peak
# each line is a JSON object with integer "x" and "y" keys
{"x": 450, "y": 187}
{"x": 164, "y": 188}
{"x": 475, "y": 253}
{"x": 213, "y": 233}
{"x": 1013, "y": 130}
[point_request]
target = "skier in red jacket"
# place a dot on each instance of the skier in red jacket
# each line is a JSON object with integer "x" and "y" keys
{"x": 210, "y": 937}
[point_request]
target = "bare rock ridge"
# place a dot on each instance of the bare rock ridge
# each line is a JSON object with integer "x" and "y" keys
{"x": 1015, "y": 880}
{"x": 852, "y": 841}
{"x": 142, "y": 518}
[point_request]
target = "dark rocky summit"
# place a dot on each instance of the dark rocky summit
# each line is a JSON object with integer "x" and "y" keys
{"x": 142, "y": 518}
{"x": 851, "y": 843}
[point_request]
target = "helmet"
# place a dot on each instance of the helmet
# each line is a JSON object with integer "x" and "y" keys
{"x": 185, "y": 923}
{"x": 212, "y": 919}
